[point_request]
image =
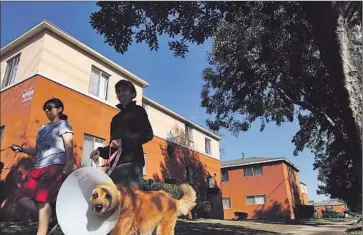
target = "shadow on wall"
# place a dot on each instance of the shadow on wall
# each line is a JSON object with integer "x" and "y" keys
{"x": 275, "y": 212}
{"x": 182, "y": 164}
{"x": 294, "y": 187}
{"x": 10, "y": 209}
{"x": 280, "y": 210}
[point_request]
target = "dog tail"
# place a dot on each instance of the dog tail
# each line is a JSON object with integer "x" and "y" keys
{"x": 188, "y": 200}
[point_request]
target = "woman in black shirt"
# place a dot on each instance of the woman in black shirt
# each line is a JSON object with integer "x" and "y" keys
{"x": 130, "y": 129}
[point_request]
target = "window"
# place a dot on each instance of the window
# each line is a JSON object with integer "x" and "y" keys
{"x": 226, "y": 201}
{"x": 256, "y": 200}
{"x": 225, "y": 175}
{"x": 303, "y": 188}
{"x": 10, "y": 72}
{"x": 188, "y": 132}
{"x": 90, "y": 143}
{"x": 170, "y": 150}
{"x": 207, "y": 146}
{"x": 144, "y": 168}
{"x": 190, "y": 174}
{"x": 252, "y": 171}
{"x": 1, "y": 134}
{"x": 98, "y": 83}
{"x": 212, "y": 181}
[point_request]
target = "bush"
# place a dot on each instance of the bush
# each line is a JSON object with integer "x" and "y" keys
{"x": 204, "y": 206}
{"x": 172, "y": 189}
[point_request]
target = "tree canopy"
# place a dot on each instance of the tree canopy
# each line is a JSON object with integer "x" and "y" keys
{"x": 269, "y": 62}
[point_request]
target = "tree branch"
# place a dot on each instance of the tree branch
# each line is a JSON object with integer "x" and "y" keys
{"x": 307, "y": 106}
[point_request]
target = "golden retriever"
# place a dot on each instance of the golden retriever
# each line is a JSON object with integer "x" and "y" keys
{"x": 142, "y": 211}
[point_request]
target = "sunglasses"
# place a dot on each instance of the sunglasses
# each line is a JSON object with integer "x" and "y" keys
{"x": 49, "y": 108}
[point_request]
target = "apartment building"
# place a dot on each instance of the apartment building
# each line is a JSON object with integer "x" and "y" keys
{"x": 46, "y": 62}
{"x": 260, "y": 188}
{"x": 329, "y": 205}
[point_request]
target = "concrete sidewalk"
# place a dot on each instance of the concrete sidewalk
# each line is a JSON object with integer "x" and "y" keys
{"x": 327, "y": 228}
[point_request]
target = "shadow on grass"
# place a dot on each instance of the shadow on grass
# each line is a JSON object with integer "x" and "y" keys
{"x": 182, "y": 228}
{"x": 22, "y": 228}
{"x": 307, "y": 222}
{"x": 354, "y": 230}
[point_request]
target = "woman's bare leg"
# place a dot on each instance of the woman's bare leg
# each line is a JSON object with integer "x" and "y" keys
{"x": 45, "y": 212}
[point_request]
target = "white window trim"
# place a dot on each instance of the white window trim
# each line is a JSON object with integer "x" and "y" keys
{"x": 190, "y": 174}
{"x": 144, "y": 169}
{"x": 5, "y": 81}
{"x": 188, "y": 129}
{"x": 254, "y": 197}
{"x": 2, "y": 129}
{"x": 101, "y": 72}
{"x": 253, "y": 171}
{"x": 207, "y": 140}
{"x": 230, "y": 203}
{"x": 101, "y": 160}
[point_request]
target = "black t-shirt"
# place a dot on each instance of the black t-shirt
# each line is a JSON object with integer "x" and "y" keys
{"x": 133, "y": 127}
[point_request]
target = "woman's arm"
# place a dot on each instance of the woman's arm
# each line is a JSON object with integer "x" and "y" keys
{"x": 68, "y": 144}
{"x": 66, "y": 132}
{"x": 30, "y": 151}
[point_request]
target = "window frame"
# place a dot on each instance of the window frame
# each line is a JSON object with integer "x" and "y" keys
{"x": 144, "y": 169}
{"x": 189, "y": 174}
{"x": 253, "y": 170}
{"x": 101, "y": 72}
{"x": 93, "y": 144}
{"x": 5, "y": 81}
{"x": 254, "y": 199}
{"x": 2, "y": 130}
{"x": 188, "y": 130}
{"x": 209, "y": 141}
{"x": 230, "y": 203}
{"x": 223, "y": 172}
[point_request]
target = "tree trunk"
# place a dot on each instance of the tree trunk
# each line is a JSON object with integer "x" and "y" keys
{"x": 335, "y": 36}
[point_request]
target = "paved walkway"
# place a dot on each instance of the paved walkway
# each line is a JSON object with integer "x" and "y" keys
{"x": 217, "y": 227}
{"x": 326, "y": 228}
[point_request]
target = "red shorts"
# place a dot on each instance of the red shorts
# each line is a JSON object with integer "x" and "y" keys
{"x": 42, "y": 184}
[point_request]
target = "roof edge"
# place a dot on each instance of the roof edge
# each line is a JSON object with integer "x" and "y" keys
{"x": 44, "y": 24}
{"x": 174, "y": 114}
{"x": 261, "y": 162}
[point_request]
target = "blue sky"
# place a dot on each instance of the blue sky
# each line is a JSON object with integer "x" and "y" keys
{"x": 174, "y": 82}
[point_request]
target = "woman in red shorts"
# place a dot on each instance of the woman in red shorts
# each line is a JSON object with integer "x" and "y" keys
{"x": 53, "y": 161}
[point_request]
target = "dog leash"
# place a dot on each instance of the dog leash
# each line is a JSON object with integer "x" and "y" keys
{"x": 115, "y": 156}
{"x": 5, "y": 148}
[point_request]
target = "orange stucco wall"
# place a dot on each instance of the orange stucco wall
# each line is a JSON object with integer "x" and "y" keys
{"x": 275, "y": 183}
{"x": 87, "y": 116}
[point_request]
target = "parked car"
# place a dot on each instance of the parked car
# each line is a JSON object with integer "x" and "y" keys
{"x": 333, "y": 214}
